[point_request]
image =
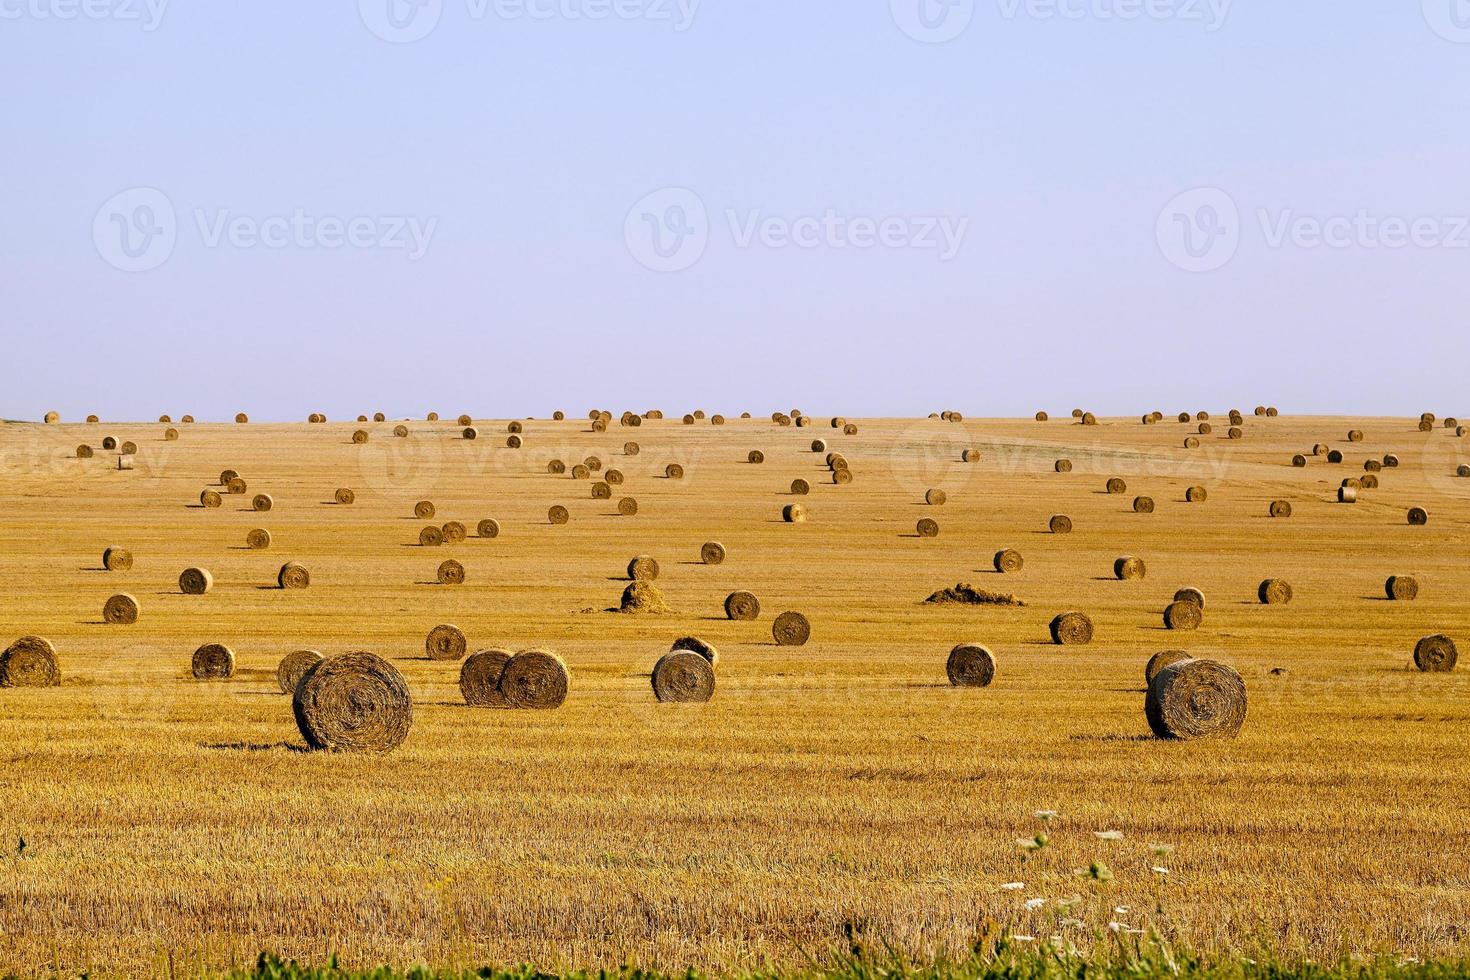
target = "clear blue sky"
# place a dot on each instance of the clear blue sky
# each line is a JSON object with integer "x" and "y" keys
{"x": 519, "y": 136}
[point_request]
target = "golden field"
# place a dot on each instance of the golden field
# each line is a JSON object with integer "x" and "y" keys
{"x": 173, "y": 825}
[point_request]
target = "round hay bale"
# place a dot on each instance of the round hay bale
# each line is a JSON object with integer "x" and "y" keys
{"x": 927, "y": 527}
{"x": 1063, "y": 466}
{"x": 236, "y": 487}
{"x": 117, "y": 559}
{"x": 293, "y": 667}
{"x": 793, "y": 514}
{"x": 1390, "y": 460}
{"x": 818, "y": 446}
{"x": 800, "y": 487}
{"x": 1347, "y": 495}
{"x": 631, "y": 449}
{"x": 1236, "y": 418}
{"x": 1451, "y": 422}
{"x": 1372, "y": 466}
{"x": 838, "y": 422}
{"x": 1189, "y": 594}
{"x": 850, "y": 429}
{"x": 614, "y": 477}
{"x": 1369, "y": 482}
{"x": 1261, "y": 410}
{"x": 357, "y": 702}
{"x": 1271, "y": 412}
{"x": 210, "y": 498}
{"x": 1463, "y": 470}
{"x": 712, "y": 553}
{"x": 1184, "y": 416}
{"x": 1149, "y": 419}
{"x": 1191, "y": 442}
{"x": 1402, "y": 588}
{"x": 29, "y": 662}
{"x": 1426, "y": 426}
{"x": 683, "y": 676}
{"x": 445, "y": 642}
{"x": 1159, "y": 661}
{"x": 84, "y": 451}
{"x": 1321, "y": 449}
{"x": 1193, "y": 699}
{"x": 970, "y": 456}
{"x": 1071, "y": 629}
{"x": 791, "y": 629}
{"x": 479, "y": 678}
{"x": 970, "y": 664}
{"x": 431, "y": 417}
{"x": 1353, "y": 482}
{"x": 195, "y": 581}
{"x": 1196, "y": 495}
{"x": 120, "y": 610}
{"x": 1334, "y": 456}
{"x": 935, "y": 497}
{"x": 463, "y": 421}
{"x": 379, "y": 417}
{"x": 360, "y": 436}
{"x": 1008, "y": 561}
{"x": 599, "y": 425}
{"x": 1042, "y": 417}
{"x": 128, "y": 448}
{"x": 470, "y": 432}
{"x": 1129, "y": 568}
{"x": 742, "y": 606}
{"x": 514, "y": 427}
{"x": 1201, "y": 416}
{"x": 643, "y": 568}
{"x": 400, "y": 431}
{"x": 628, "y": 506}
{"x": 51, "y": 418}
{"x": 1205, "y": 428}
{"x": 580, "y": 471}
{"x": 556, "y": 466}
{"x": 1143, "y": 505}
{"x": 488, "y": 528}
{"x": 557, "y": 514}
{"x": 1117, "y": 485}
{"x": 1436, "y": 654}
{"x": 755, "y": 456}
{"x": 1234, "y": 432}
{"x": 535, "y": 679}
{"x": 512, "y": 442}
{"x": 674, "y": 471}
{"x": 1060, "y": 524}
{"x": 688, "y": 419}
{"x": 842, "y": 476}
{"x": 1298, "y": 460}
{"x": 694, "y": 644}
{"x": 450, "y": 572}
{"x": 345, "y": 496}
{"x": 1280, "y": 508}
{"x": 293, "y": 575}
{"x": 1089, "y": 419}
{"x": 1355, "y": 435}
{"x": 94, "y": 419}
{"x": 558, "y": 416}
{"x": 262, "y": 503}
{"x": 170, "y": 435}
{"x": 1418, "y": 516}
{"x": 1183, "y": 615}
{"x": 109, "y": 444}
{"x": 601, "y": 491}
{"x": 424, "y": 510}
{"x": 431, "y": 536}
{"x": 1275, "y": 592}
{"x": 241, "y": 418}
{"x": 213, "y": 662}
{"x": 1077, "y": 413}
{"x": 362, "y": 418}
{"x": 1427, "y": 417}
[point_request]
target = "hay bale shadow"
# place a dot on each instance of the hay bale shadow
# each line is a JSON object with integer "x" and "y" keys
{"x": 253, "y": 747}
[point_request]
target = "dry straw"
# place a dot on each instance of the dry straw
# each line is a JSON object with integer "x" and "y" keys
{"x": 213, "y": 662}
{"x": 379, "y": 417}
{"x": 1205, "y": 428}
{"x": 1355, "y": 435}
{"x": 357, "y": 702}
{"x": 970, "y": 456}
{"x": 1071, "y": 629}
{"x": 1334, "y": 456}
{"x": 1008, "y": 560}
{"x": 850, "y": 429}
{"x": 117, "y": 559}
{"x": 712, "y": 553}
{"x": 445, "y": 642}
{"x": 1403, "y": 588}
{"x": 1159, "y": 661}
{"x": 614, "y": 477}
{"x": 170, "y": 435}
{"x": 195, "y": 581}
{"x": 1298, "y": 460}
{"x": 1275, "y": 592}
{"x": 450, "y": 572}
{"x": 1436, "y": 654}
{"x": 293, "y": 576}
{"x": 791, "y": 629}
{"x": 1042, "y": 417}
{"x": 927, "y": 527}
{"x": 1129, "y": 568}
{"x": 120, "y": 610}
{"x": 970, "y": 664}
{"x": 1193, "y": 699}
{"x": 512, "y": 442}
{"x": 29, "y": 662}
{"x": 241, "y": 418}
{"x": 742, "y": 606}
{"x": 1390, "y": 460}
{"x": 1183, "y": 615}
{"x": 488, "y": 528}
{"x": 683, "y": 677}
{"x": 293, "y": 667}
{"x": 128, "y": 448}
{"x": 1060, "y": 524}
{"x": 1191, "y": 442}
{"x": 535, "y": 679}
{"x": 643, "y": 597}
{"x": 479, "y": 678}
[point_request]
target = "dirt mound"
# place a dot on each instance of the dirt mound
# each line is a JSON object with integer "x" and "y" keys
{"x": 966, "y": 594}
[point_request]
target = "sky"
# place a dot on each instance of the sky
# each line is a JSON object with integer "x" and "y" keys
{"x": 867, "y": 207}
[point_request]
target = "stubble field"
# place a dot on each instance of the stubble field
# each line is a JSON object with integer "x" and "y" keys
{"x": 172, "y": 824}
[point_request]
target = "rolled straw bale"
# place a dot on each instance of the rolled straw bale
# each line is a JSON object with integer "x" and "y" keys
{"x": 195, "y": 581}
{"x": 601, "y": 491}
{"x": 793, "y": 514}
{"x": 556, "y": 466}
{"x": 488, "y": 528}
{"x": 819, "y": 446}
{"x": 1334, "y": 456}
{"x": 29, "y": 662}
{"x": 401, "y": 431}
{"x": 628, "y": 506}
{"x": 109, "y": 444}
{"x": 712, "y": 553}
{"x": 1390, "y": 460}
{"x": 424, "y": 510}
{"x": 1117, "y": 485}
{"x": 1071, "y": 629}
{"x": 293, "y": 667}
{"x": 674, "y": 471}
{"x": 450, "y": 572}
{"x": 1042, "y": 417}
{"x": 683, "y": 677}
{"x": 470, "y": 433}
{"x": 345, "y": 495}
{"x": 800, "y": 487}
{"x": 357, "y": 702}
{"x": 535, "y": 679}
{"x": 927, "y": 527}
{"x": 850, "y": 429}
{"x": 1159, "y": 661}
{"x": 1196, "y": 495}
{"x": 1347, "y": 495}
{"x": 1143, "y": 505}
{"x": 1205, "y": 428}
{"x": 1261, "y": 410}
{"x": 791, "y": 629}
{"x": 431, "y": 536}
{"x": 593, "y": 464}
{"x": 94, "y": 419}
{"x": 1194, "y": 699}
{"x": 695, "y": 645}
{"x": 514, "y": 427}
{"x": 1426, "y": 426}
{"x": 1191, "y": 442}
{"x": 970, "y": 665}
{"x": 1008, "y": 561}
{"x": 1463, "y": 470}
{"x": 1077, "y": 413}
{"x": 1189, "y": 594}
{"x": 1418, "y": 516}
{"x": 1372, "y": 466}
{"x": 970, "y": 456}
{"x": 1275, "y": 592}
{"x": 241, "y": 418}
{"x": 1060, "y": 524}
{"x": 1184, "y": 416}
{"x": 1298, "y": 460}
{"x": 1402, "y": 588}
{"x": 1369, "y": 482}
{"x": 293, "y": 575}
{"x": 120, "y": 610}
{"x": 1063, "y": 466}
{"x": 262, "y": 503}
{"x": 630, "y": 449}
{"x": 210, "y": 498}
{"x": 643, "y": 568}
{"x": 1355, "y": 435}
{"x": 479, "y": 678}
{"x": 445, "y": 642}
{"x": 1436, "y": 654}
{"x": 1129, "y": 568}
{"x": 1234, "y": 432}
{"x": 935, "y": 497}
{"x": 170, "y": 434}
{"x": 742, "y": 606}
{"x": 841, "y": 475}
{"x": 1279, "y": 508}
{"x": 1183, "y": 615}
{"x": 128, "y": 448}
{"x": 213, "y": 662}
{"x": 558, "y": 416}
{"x": 1089, "y": 419}
{"x": 462, "y": 421}
{"x": 51, "y": 418}
{"x": 379, "y": 417}
{"x": 360, "y": 436}
{"x": 236, "y": 486}
{"x": 557, "y": 514}
{"x": 755, "y": 456}
{"x": 512, "y": 442}
{"x": 117, "y": 559}
{"x": 614, "y": 477}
